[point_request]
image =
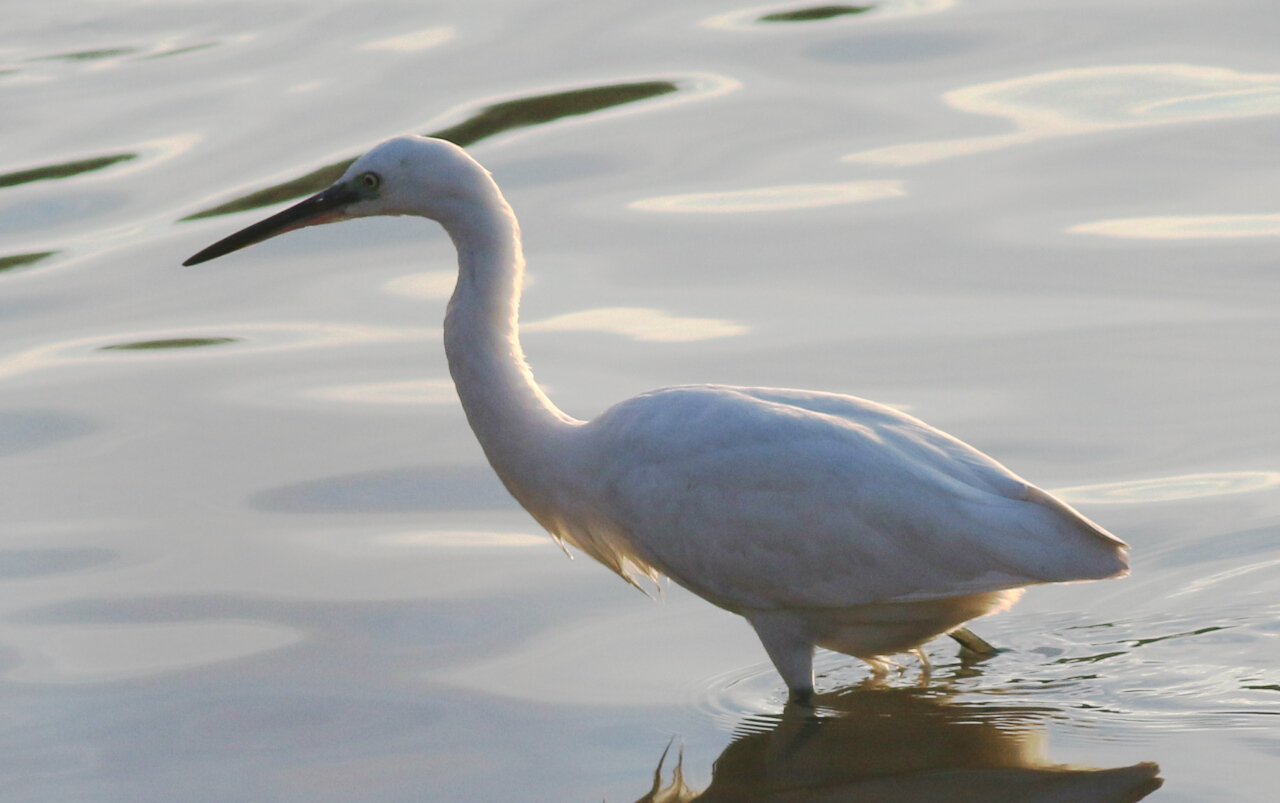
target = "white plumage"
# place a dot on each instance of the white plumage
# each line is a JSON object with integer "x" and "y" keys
{"x": 823, "y": 519}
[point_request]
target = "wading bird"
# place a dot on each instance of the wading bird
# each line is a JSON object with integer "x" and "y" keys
{"x": 824, "y": 520}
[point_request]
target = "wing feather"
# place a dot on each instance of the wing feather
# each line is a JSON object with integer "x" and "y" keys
{"x": 756, "y": 497}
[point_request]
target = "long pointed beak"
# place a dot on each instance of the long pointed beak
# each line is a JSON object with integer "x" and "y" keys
{"x": 322, "y": 207}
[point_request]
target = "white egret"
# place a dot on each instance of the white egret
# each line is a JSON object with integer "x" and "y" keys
{"x": 824, "y": 520}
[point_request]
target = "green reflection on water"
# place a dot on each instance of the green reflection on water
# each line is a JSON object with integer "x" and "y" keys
{"x": 18, "y": 260}
{"x": 489, "y": 121}
{"x": 1090, "y": 659}
{"x": 64, "y": 170}
{"x": 1143, "y": 641}
{"x": 312, "y": 182}
{"x": 546, "y": 108}
{"x": 175, "y": 343}
{"x": 814, "y": 13}
{"x": 89, "y": 55}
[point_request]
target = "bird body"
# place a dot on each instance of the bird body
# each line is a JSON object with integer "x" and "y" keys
{"x": 764, "y": 497}
{"x": 823, "y": 519}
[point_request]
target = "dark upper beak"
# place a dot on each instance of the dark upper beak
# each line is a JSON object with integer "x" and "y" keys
{"x": 319, "y": 208}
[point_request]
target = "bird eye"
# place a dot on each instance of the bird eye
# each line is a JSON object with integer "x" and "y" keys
{"x": 370, "y": 181}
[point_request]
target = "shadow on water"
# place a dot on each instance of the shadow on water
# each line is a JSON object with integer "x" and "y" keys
{"x": 901, "y": 745}
{"x": 24, "y": 564}
{"x": 397, "y": 490}
{"x": 490, "y": 120}
{"x": 813, "y": 13}
{"x": 28, "y": 430}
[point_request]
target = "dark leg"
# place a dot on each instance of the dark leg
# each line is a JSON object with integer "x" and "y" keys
{"x": 790, "y": 649}
{"x": 972, "y": 643}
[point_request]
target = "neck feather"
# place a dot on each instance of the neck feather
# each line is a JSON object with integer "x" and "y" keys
{"x": 511, "y": 416}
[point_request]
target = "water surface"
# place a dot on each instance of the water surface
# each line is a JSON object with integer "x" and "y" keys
{"x": 251, "y": 550}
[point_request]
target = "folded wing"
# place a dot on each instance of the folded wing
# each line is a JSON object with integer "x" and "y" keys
{"x": 760, "y": 498}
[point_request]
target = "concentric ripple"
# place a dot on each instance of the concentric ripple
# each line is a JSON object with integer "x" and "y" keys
{"x": 1171, "y": 673}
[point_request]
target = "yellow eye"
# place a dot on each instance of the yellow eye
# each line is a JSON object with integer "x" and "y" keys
{"x": 370, "y": 181}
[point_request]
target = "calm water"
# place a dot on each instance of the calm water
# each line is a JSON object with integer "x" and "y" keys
{"x": 251, "y": 551}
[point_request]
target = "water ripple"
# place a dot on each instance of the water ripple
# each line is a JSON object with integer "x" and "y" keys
{"x": 1169, "y": 489}
{"x": 167, "y": 344}
{"x": 1138, "y": 674}
{"x": 638, "y": 324}
{"x": 1185, "y": 227}
{"x": 772, "y": 199}
{"x": 1086, "y": 100}
{"x": 767, "y": 18}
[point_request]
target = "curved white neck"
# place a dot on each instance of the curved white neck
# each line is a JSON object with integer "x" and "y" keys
{"x": 511, "y": 416}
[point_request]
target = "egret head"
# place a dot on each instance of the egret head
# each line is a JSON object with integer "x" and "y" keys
{"x": 407, "y": 175}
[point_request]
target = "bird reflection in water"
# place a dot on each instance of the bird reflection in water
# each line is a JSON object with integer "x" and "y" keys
{"x": 900, "y": 745}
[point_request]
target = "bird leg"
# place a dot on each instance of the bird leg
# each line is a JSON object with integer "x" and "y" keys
{"x": 972, "y": 643}
{"x": 797, "y": 697}
{"x": 926, "y": 668}
{"x": 789, "y": 647}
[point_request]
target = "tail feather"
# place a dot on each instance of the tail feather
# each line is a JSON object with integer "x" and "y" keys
{"x": 1096, "y": 555}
